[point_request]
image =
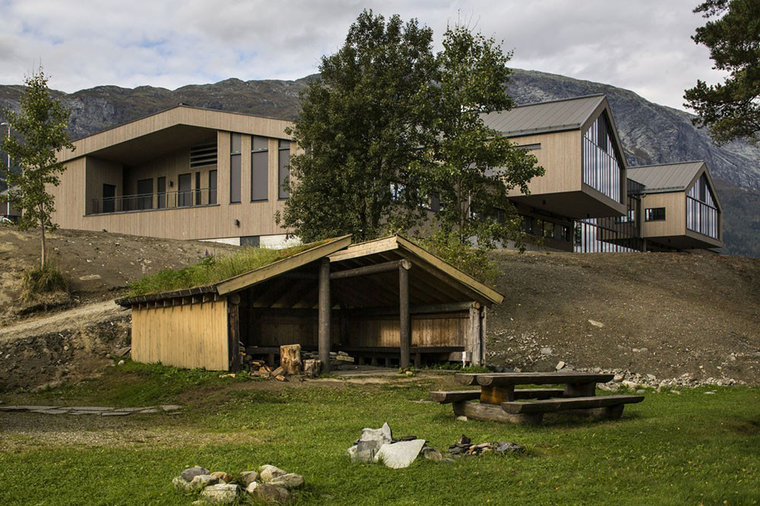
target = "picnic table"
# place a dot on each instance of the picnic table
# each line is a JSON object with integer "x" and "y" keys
{"x": 498, "y": 399}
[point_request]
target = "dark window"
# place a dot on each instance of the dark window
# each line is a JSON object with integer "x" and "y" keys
{"x": 212, "y": 187}
{"x": 145, "y": 194}
{"x": 235, "y": 181}
{"x": 529, "y": 224}
{"x": 109, "y": 198}
{"x": 250, "y": 240}
{"x": 202, "y": 155}
{"x": 283, "y": 168}
{"x": 185, "y": 194}
{"x": 161, "y": 192}
{"x": 260, "y": 168}
{"x": 198, "y": 189}
{"x": 654, "y": 214}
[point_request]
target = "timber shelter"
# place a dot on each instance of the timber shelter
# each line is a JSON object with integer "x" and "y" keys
{"x": 387, "y": 301}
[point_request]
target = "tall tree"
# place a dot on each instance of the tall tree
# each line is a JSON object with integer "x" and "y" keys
{"x": 730, "y": 110}
{"x": 40, "y": 128}
{"x": 476, "y": 167}
{"x": 361, "y": 126}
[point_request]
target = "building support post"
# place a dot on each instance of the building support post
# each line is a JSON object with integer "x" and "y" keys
{"x": 324, "y": 314}
{"x": 233, "y": 332}
{"x": 405, "y": 322}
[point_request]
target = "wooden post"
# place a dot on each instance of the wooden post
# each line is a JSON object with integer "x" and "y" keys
{"x": 483, "y": 327}
{"x": 324, "y": 314}
{"x": 474, "y": 339}
{"x": 405, "y": 331}
{"x": 233, "y": 333}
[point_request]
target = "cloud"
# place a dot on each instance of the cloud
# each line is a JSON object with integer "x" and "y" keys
{"x": 644, "y": 45}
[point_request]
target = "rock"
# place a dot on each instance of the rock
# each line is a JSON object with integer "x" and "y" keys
{"x": 560, "y": 365}
{"x": 641, "y": 391}
{"x": 248, "y": 477}
{"x": 383, "y": 434}
{"x": 462, "y": 418}
{"x": 191, "y": 472}
{"x": 507, "y": 447}
{"x": 267, "y": 493}
{"x": 268, "y": 473}
{"x": 596, "y": 323}
{"x": 399, "y": 455}
{"x": 546, "y": 351}
{"x": 433, "y": 454}
{"x": 221, "y": 494}
{"x": 464, "y": 440}
{"x": 89, "y": 277}
{"x": 223, "y": 477}
{"x": 121, "y": 362}
{"x": 289, "y": 481}
{"x": 181, "y": 485}
{"x": 202, "y": 481}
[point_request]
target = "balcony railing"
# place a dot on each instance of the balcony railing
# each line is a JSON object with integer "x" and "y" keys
{"x": 149, "y": 201}
{"x": 702, "y": 218}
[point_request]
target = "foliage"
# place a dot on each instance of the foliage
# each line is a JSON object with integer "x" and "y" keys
{"x": 211, "y": 269}
{"x": 40, "y": 133}
{"x": 45, "y": 279}
{"x": 476, "y": 167}
{"x": 360, "y": 127}
{"x": 731, "y": 110}
{"x": 461, "y": 254}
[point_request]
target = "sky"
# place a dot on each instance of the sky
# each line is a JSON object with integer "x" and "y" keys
{"x": 641, "y": 45}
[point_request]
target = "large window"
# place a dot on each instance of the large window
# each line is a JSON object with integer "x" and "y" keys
{"x": 654, "y": 214}
{"x": 283, "y": 168}
{"x": 601, "y": 163}
{"x": 185, "y": 194}
{"x": 235, "y": 178}
{"x": 260, "y": 168}
{"x": 145, "y": 194}
{"x": 212, "y": 187}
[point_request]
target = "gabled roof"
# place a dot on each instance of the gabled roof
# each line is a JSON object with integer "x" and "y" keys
{"x": 667, "y": 177}
{"x": 544, "y": 117}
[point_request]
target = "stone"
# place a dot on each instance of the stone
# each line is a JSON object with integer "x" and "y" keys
{"x": 464, "y": 440}
{"x": 267, "y": 493}
{"x": 560, "y": 365}
{"x": 596, "y": 323}
{"x": 268, "y": 473}
{"x": 191, "y": 472}
{"x": 121, "y": 362}
{"x": 383, "y": 434}
{"x": 363, "y": 454}
{"x": 181, "y": 485}
{"x": 432, "y": 454}
{"x": 289, "y": 481}
{"x": 221, "y": 494}
{"x": 400, "y": 455}
{"x": 462, "y": 418}
{"x": 508, "y": 447}
{"x": 202, "y": 481}
{"x": 89, "y": 277}
{"x": 546, "y": 351}
{"x": 248, "y": 477}
{"x": 223, "y": 477}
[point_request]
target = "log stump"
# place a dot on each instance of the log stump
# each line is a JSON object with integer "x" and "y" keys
{"x": 290, "y": 358}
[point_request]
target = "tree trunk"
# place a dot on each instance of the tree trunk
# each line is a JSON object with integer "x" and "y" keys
{"x": 43, "y": 254}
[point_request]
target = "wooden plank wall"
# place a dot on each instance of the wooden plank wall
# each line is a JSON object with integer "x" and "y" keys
{"x": 427, "y": 330}
{"x": 190, "y": 335}
{"x": 560, "y": 155}
{"x": 277, "y": 330}
{"x": 675, "y": 214}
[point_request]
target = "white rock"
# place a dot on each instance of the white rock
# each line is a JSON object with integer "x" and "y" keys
{"x": 268, "y": 473}
{"x": 596, "y": 323}
{"x": 560, "y": 365}
{"x": 401, "y": 454}
{"x": 289, "y": 481}
{"x": 462, "y": 418}
{"x": 248, "y": 477}
{"x": 221, "y": 494}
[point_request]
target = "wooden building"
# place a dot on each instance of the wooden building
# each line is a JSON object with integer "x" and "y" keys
{"x": 386, "y": 301}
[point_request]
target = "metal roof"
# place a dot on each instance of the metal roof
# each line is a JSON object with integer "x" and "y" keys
{"x": 553, "y": 116}
{"x": 666, "y": 177}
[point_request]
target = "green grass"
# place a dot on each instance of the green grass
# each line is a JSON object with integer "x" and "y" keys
{"x": 686, "y": 449}
{"x": 212, "y": 269}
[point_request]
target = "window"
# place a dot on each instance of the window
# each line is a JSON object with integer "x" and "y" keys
{"x": 529, "y": 224}
{"x": 145, "y": 194}
{"x": 212, "y": 187}
{"x": 185, "y": 194}
{"x": 203, "y": 155}
{"x": 283, "y": 168}
{"x": 198, "y": 189}
{"x": 161, "y": 192}
{"x": 654, "y": 214}
{"x": 260, "y": 168}
{"x": 109, "y": 198}
{"x": 235, "y": 161}
{"x": 397, "y": 191}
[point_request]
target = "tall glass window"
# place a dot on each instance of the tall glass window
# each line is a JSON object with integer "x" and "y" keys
{"x": 701, "y": 211}
{"x": 601, "y": 164}
{"x": 235, "y": 181}
{"x": 283, "y": 171}
{"x": 260, "y": 168}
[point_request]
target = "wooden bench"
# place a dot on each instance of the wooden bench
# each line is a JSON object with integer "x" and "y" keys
{"x": 470, "y": 395}
{"x": 606, "y": 406}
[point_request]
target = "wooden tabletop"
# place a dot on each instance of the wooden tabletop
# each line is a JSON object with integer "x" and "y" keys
{"x": 532, "y": 378}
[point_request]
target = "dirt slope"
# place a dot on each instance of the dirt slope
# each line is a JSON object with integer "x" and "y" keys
{"x": 664, "y": 314}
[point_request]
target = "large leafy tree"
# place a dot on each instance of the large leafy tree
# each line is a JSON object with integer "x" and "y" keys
{"x": 40, "y": 133}
{"x": 730, "y": 110}
{"x": 475, "y": 167}
{"x": 361, "y": 126}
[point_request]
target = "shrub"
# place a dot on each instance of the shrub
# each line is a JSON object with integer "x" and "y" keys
{"x": 464, "y": 256}
{"x": 40, "y": 280}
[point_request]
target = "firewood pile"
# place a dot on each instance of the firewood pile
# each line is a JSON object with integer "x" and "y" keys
{"x": 293, "y": 362}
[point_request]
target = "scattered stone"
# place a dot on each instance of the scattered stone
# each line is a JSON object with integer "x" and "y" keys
{"x": 268, "y": 473}
{"x": 248, "y": 477}
{"x": 462, "y": 418}
{"x": 560, "y": 365}
{"x": 223, "y": 477}
{"x": 289, "y": 481}
{"x": 547, "y": 351}
{"x": 399, "y": 455}
{"x": 505, "y": 447}
{"x": 170, "y": 407}
{"x": 432, "y": 454}
{"x": 202, "y": 481}
{"x": 268, "y": 493}
{"x": 89, "y": 277}
{"x": 641, "y": 391}
{"x": 221, "y": 493}
{"x": 709, "y": 393}
{"x": 121, "y": 362}
{"x": 596, "y": 323}
{"x": 191, "y": 472}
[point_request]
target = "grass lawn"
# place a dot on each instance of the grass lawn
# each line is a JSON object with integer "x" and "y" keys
{"x": 686, "y": 449}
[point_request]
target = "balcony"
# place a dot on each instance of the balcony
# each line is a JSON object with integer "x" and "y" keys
{"x": 155, "y": 201}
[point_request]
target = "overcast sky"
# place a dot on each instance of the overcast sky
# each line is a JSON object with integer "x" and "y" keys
{"x": 642, "y": 45}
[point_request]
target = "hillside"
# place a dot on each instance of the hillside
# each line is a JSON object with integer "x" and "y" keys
{"x": 650, "y": 133}
{"x": 665, "y": 314}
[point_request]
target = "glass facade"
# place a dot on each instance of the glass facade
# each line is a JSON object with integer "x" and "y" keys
{"x": 602, "y": 168}
{"x": 701, "y": 212}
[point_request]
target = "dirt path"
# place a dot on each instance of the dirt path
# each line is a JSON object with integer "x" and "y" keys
{"x": 74, "y": 318}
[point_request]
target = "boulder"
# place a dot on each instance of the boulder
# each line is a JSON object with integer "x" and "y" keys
{"x": 289, "y": 481}
{"x": 248, "y": 477}
{"x": 223, "y": 477}
{"x": 401, "y": 454}
{"x": 191, "y": 472}
{"x": 383, "y": 434}
{"x": 181, "y": 485}
{"x": 361, "y": 456}
{"x": 268, "y": 473}
{"x": 202, "y": 481}
{"x": 221, "y": 494}
{"x": 268, "y": 493}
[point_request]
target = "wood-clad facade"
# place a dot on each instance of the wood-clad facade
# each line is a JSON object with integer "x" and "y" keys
{"x": 372, "y": 286}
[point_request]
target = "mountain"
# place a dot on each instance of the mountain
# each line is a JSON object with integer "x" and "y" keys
{"x": 650, "y": 133}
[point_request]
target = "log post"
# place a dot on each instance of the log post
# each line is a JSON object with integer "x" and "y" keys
{"x": 233, "y": 332}
{"x": 324, "y": 314}
{"x": 475, "y": 340}
{"x": 405, "y": 324}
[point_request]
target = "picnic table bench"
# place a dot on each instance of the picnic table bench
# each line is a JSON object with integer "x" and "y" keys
{"x": 499, "y": 400}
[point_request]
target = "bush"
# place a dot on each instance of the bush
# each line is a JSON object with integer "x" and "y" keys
{"x": 47, "y": 279}
{"x": 464, "y": 256}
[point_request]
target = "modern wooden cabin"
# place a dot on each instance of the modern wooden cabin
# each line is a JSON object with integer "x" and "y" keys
{"x": 386, "y": 301}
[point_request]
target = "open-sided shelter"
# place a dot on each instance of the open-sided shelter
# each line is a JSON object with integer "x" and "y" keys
{"x": 384, "y": 300}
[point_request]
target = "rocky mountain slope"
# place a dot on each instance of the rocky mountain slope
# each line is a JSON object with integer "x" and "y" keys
{"x": 650, "y": 133}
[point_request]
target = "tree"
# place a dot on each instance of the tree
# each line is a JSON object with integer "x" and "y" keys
{"x": 475, "y": 166}
{"x": 730, "y": 110}
{"x": 362, "y": 125}
{"x": 40, "y": 128}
